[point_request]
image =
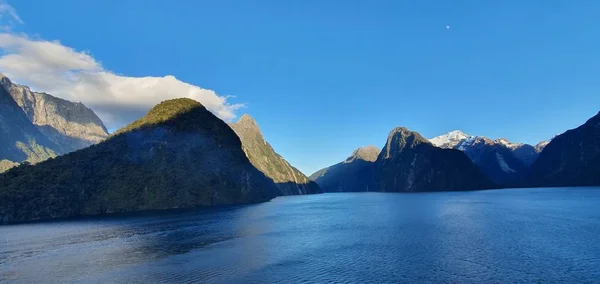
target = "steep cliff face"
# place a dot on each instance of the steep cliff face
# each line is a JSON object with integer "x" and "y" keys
{"x": 353, "y": 174}
{"x": 288, "y": 179}
{"x": 408, "y": 162}
{"x": 179, "y": 155}
{"x": 570, "y": 159}
{"x": 69, "y": 125}
{"x": 20, "y": 140}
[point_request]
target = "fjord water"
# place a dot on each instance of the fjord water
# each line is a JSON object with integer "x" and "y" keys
{"x": 503, "y": 236}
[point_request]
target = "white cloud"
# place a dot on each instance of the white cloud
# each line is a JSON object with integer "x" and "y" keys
{"x": 74, "y": 75}
{"x": 8, "y": 15}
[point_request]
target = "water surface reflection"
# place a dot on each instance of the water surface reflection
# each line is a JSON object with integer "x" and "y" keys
{"x": 528, "y": 235}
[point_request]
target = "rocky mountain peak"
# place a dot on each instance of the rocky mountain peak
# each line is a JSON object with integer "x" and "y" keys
{"x": 4, "y": 80}
{"x": 368, "y": 153}
{"x": 248, "y": 123}
{"x": 262, "y": 155}
{"x": 247, "y": 120}
{"x": 401, "y": 138}
{"x": 505, "y": 142}
{"x": 67, "y": 125}
{"x": 406, "y": 135}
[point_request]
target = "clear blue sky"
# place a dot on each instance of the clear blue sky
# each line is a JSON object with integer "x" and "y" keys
{"x": 324, "y": 77}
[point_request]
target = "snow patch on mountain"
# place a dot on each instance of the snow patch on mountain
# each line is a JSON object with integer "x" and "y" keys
{"x": 466, "y": 143}
{"x": 503, "y": 165}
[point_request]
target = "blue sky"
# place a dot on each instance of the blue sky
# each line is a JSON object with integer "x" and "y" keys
{"x": 325, "y": 77}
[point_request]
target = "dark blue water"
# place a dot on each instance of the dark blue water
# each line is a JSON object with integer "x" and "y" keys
{"x": 503, "y": 236}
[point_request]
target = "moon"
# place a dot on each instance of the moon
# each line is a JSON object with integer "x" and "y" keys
{"x": 447, "y": 27}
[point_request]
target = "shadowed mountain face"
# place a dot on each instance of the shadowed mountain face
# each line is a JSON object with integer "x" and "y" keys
{"x": 20, "y": 140}
{"x": 353, "y": 174}
{"x": 570, "y": 159}
{"x": 497, "y": 161}
{"x": 179, "y": 155}
{"x": 527, "y": 154}
{"x": 289, "y": 180}
{"x": 408, "y": 162}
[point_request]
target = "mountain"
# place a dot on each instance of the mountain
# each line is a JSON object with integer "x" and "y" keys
{"x": 20, "y": 140}
{"x": 495, "y": 159}
{"x": 353, "y": 174}
{"x": 526, "y": 153}
{"x": 570, "y": 159}
{"x": 289, "y": 179}
{"x": 501, "y": 160}
{"x": 541, "y": 146}
{"x": 179, "y": 155}
{"x": 449, "y": 140}
{"x": 69, "y": 125}
{"x": 459, "y": 140}
{"x": 409, "y": 162}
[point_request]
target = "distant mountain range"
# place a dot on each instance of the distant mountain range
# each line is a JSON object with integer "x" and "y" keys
{"x": 459, "y": 140}
{"x": 407, "y": 163}
{"x": 48, "y": 126}
{"x": 353, "y": 174}
{"x": 569, "y": 159}
{"x": 501, "y": 160}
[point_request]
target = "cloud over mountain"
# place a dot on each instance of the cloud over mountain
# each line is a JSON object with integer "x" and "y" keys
{"x": 75, "y": 75}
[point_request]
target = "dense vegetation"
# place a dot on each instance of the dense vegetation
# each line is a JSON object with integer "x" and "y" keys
{"x": 179, "y": 155}
{"x": 164, "y": 113}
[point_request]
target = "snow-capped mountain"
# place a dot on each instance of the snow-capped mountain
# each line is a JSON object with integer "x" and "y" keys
{"x": 501, "y": 160}
{"x": 459, "y": 140}
{"x": 449, "y": 140}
